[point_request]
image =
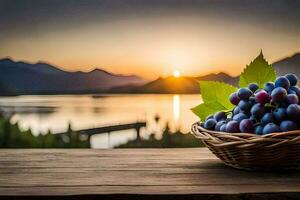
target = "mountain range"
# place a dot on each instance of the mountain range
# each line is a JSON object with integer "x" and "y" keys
{"x": 41, "y": 78}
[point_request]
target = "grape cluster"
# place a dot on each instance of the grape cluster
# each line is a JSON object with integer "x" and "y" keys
{"x": 275, "y": 108}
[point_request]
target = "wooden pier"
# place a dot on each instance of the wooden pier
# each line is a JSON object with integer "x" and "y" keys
{"x": 107, "y": 129}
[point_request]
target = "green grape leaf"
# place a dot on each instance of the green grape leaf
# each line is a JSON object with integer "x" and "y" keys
{"x": 203, "y": 110}
{"x": 215, "y": 96}
{"x": 258, "y": 71}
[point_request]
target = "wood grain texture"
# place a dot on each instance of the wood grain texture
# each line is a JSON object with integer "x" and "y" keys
{"x": 131, "y": 173}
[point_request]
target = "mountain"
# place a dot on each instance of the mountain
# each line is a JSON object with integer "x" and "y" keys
{"x": 173, "y": 85}
{"x": 191, "y": 85}
{"x": 170, "y": 85}
{"x": 221, "y": 77}
{"x": 288, "y": 65}
{"x": 43, "y": 78}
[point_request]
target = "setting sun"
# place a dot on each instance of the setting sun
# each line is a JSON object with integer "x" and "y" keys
{"x": 176, "y": 73}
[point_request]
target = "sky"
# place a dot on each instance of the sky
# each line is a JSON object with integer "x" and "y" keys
{"x": 149, "y": 38}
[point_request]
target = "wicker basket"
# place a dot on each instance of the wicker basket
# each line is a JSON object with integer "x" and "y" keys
{"x": 253, "y": 152}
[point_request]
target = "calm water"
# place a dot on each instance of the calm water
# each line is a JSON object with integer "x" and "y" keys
{"x": 41, "y": 113}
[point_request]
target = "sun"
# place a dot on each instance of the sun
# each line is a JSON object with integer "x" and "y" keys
{"x": 176, "y": 73}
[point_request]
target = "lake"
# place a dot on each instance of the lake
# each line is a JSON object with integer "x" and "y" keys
{"x": 55, "y": 112}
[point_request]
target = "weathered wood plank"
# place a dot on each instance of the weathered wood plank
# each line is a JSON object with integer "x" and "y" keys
{"x": 57, "y": 172}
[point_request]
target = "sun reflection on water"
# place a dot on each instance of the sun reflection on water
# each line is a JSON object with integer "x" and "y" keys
{"x": 176, "y": 108}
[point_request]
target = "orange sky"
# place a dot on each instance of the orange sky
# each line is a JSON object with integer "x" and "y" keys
{"x": 151, "y": 44}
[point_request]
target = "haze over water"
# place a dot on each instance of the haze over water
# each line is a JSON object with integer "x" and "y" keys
{"x": 43, "y": 113}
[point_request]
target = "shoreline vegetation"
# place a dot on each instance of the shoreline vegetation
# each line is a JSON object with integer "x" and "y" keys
{"x": 11, "y": 136}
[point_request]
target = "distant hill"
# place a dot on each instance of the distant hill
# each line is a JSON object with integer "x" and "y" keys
{"x": 288, "y": 65}
{"x": 43, "y": 78}
{"x": 222, "y": 77}
{"x": 171, "y": 85}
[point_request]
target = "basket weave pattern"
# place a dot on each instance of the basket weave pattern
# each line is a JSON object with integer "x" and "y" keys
{"x": 252, "y": 152}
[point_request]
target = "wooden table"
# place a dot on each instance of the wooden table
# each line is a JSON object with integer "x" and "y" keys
{"x": 135, "y": 174}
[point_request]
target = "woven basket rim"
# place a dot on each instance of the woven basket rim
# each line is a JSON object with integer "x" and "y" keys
{"x": 270, "y": 135}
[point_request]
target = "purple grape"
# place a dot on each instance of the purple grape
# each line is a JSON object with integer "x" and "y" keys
{"x": 236, "y": 110}
{"x": 234, "y": 99}
{"x": 278, "y": 94}
{"x": 258, "y": 110}
{"x": 259, "y": 130}
{"x": 271, "y": 128}
{"x": 246, "y": 126}
{"x": 223, "y": 128}
{"x": 288, "y": 125}
{"x": 292, "y": 99}
{"x": 293, "y": 112}
{"x": 296, "y": 89}
{"x": 253, "y": 87}
{"x": 292, "y": 79}
{"x": 219, "y": 124}
{"x": 232, "y": 127}
{"x": 269, "y": 87}
{"x": 218, "y": 116}
{"x": 244, "y": 105}
{"x": 283, "y": 82}
{"x": 239, "y": 117}
{"x": 209, "y": 117}
{"x": 244, "y": 93}
{"x": 280, "y": 114}
{"x": 290, "y": 91}
{"x": 262, "y": 97}
{"x": 210, "y": 124}
{"x": 267, "y": 118}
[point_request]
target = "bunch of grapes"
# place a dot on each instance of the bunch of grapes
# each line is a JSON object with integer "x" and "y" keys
{"x": 275, "y": 108}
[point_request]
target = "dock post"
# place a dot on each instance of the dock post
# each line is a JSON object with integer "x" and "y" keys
{"x": 138, "y": 137}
